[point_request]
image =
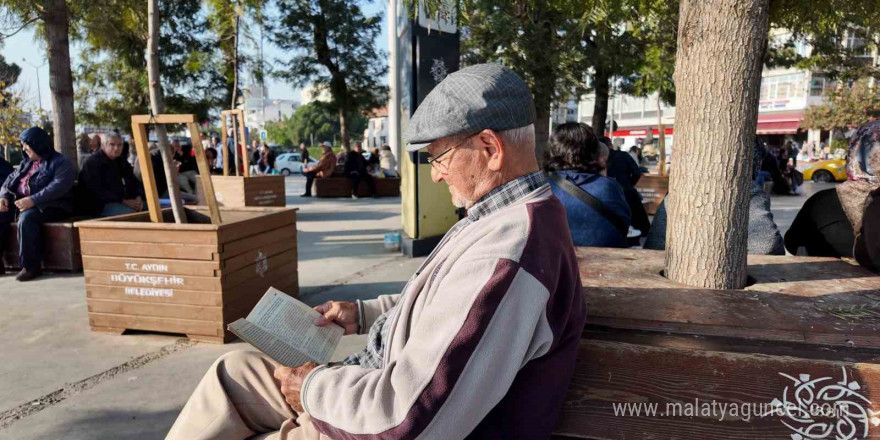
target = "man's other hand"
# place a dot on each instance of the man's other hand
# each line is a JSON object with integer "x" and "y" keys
{"x": 291, "y": 383}
{"x": 4, "y": 204}
{"x": 24, "y": 204}
{"x": 342, "y": 313}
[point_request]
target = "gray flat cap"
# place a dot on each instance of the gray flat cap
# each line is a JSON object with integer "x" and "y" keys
{"x": 479, "y": 97}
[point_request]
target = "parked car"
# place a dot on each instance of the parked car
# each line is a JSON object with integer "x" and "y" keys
{"x": 833, "y": 170}
{"x": 291, "y": 163}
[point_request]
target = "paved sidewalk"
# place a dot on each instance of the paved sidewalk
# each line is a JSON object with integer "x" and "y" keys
{"x": 73, "y": 384}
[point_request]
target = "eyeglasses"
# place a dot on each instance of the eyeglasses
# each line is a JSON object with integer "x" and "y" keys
{"x": 436, "y": 160}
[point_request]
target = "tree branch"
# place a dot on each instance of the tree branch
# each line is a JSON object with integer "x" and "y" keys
{"x": 24, "y": 25}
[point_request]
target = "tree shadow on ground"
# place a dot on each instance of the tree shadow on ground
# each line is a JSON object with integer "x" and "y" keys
{"x": 112, "y": 424}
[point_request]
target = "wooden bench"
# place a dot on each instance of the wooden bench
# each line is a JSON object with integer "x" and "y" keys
{"x": 339, "y": 186}
{"x": 653, "y": 188}
{"x": 61, "y": 250}
{"x": 654, "y": 344}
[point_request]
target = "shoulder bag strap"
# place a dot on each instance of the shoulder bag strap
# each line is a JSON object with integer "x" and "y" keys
{"x": 590, "y": 201}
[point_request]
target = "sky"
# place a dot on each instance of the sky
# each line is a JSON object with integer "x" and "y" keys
{"x": 23, "y": 46}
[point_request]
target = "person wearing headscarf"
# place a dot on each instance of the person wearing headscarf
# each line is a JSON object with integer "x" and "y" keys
{"x": 831, "y": 221}
{"x": 764, "y": 237}
{"x": 39, "y": 192}
{"x": 860, "y": 194}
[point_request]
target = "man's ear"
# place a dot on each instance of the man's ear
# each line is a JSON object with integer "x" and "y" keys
{"x": 492, "y": 148}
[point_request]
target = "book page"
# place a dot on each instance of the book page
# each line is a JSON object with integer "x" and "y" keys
{"x": 292, "y": 322}
{"x": 265, "y": 342}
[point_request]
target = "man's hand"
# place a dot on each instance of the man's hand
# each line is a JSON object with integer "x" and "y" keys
{"x": 24, "y": 204}
{"x": 291, "y": 383}
{"x": 342, "y": 313}
{"x": 4, "y": 204}
{"x": 135, "y": 204}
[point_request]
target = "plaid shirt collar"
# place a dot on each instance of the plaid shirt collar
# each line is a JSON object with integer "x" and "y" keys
{"x": 506, "y": 194}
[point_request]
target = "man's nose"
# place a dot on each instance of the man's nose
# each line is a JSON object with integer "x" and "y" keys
{"x": 436, "y": 175}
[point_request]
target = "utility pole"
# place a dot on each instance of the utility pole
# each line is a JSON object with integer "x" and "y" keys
{"x": 39, "y": 93}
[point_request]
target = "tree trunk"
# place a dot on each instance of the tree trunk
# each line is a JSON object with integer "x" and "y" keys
{"x": 56, "y": 20}
{"x": 343, "y": 128}
{"x": 717, "y": 76}
{"x": 157, "y": 106}
{"x": 601, "y": 85}
{"x": 235, "y": 65}
{"x": 661, "y": 139}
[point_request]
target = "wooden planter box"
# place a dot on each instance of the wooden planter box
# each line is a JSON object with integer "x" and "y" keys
{"x": 653, "y": 188}
{"x": 238, "y": 191}
{"x": 192, "y": 278}
{"x": 653, "y": 343}
{"x": 60, "y": 248}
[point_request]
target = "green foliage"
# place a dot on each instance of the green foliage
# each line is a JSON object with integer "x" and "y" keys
{"x": 839, "y": 145}
{"x": 658, "y": 31}
{"x": 13, "y": 119}
{"x": 824, "y": 25}
{"x": 8, "y": 74}
{"x": 536, "y": 39}
{"x": 331, "y": 44}
{"x": 318, "y": 120}
{"x": 228, "y": 22}
{"x": 845, "y": 107}
{"x": 112, "y": 77}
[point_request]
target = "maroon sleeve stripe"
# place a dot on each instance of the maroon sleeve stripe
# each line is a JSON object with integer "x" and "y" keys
{"x": 451, "y": 365}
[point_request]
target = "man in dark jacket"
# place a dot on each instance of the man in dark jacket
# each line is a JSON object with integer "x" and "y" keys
{"x": 622, "y": 168}
{"x": 107, "y": 185}
{"x": 355, "y": 169}
{"x": 39, "y": 192}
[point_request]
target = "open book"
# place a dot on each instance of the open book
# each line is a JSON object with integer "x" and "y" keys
{"x": 284, "y": 329}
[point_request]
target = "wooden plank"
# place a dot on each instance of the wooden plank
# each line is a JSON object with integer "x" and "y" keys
{"x": 149, "y": 236}
{"x": 140, "y": 220}
{"x": 223, "y": 137}
{"x": 174, "y": 296}
{"x": 243, "y": 302}
{"x": 158, "y": 281}
{"x": 204, "y": 173}
{"x": 152, "y": 265}
{"x": 170, "y": 325}
{"x": 260, "y": 267}
{"x": 287, "y": 277}
{"x": 164, "y": 251}
{"x": 147, "y": 309}
{"x": 612, "y": 373}
{"x": 145, "y": 160}
{"x": 163, "y": 119}
{"x": 624, "y": 290}
{"x": 230, "y": 265}
{"x": 262, "y": 238}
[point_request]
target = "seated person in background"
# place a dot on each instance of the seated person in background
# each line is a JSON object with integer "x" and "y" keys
{"x": 107, "y": 185}
{"x": 266, "y": 164}
{"x": 323, "y": 168}
{"x": 356, "y": 170}
{"x": 159, "y": 174}
{"x": 343, "y": 153}
{"x": 624, "y": 169}
{"x": 830, "y": 222}
{"x": 39, "y": 192}
{"x": 575, "y": 154}
{"x": 94, "y": 144}
{"x": 373, "y": 166}
{"x": 867, "y": 247}
{"x": 764, "y": 237}
{"x": 211, "y": 157}
{"x": 188, "y": 170}
{"x": 388, "y": 162}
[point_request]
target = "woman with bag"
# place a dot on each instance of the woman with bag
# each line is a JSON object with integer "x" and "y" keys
{"x": 595, "y": 206}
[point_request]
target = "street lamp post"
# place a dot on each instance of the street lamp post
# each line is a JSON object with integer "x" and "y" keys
{"x": 39, "y": 93}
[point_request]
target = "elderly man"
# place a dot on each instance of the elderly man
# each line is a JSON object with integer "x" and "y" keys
{"x": 482, "y": 341}
{"x": 39, "y": 192}
{"x": 107, "y": 185}
{"x": 324, "y": 168}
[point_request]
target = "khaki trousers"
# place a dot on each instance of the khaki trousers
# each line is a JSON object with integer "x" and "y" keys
{"x": 237, "y": 399}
